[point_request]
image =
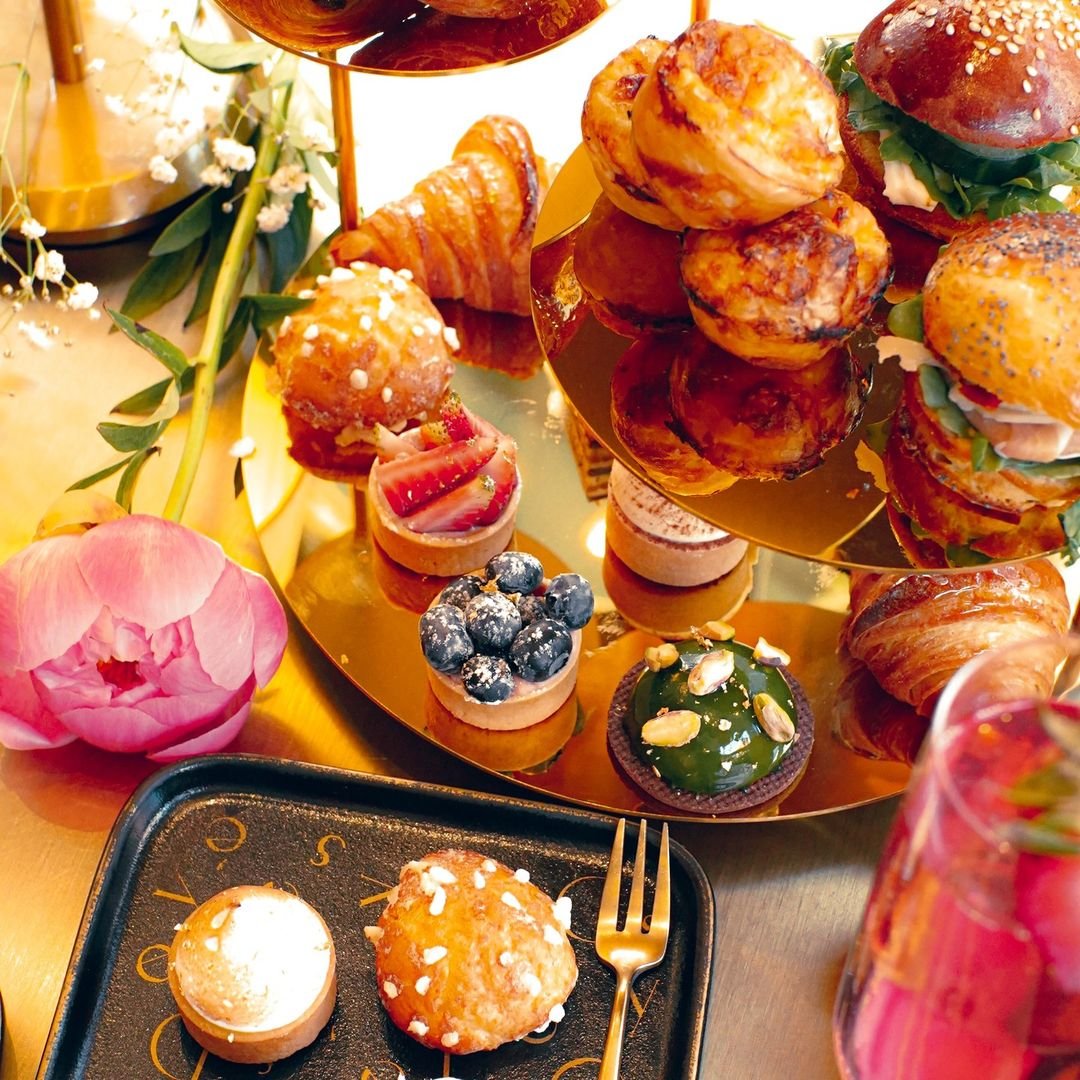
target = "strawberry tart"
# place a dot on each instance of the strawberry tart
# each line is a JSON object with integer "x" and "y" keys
{"x": 442, "y": 497}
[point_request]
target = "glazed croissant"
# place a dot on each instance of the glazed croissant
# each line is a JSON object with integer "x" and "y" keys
{"x": 466, "y": 230}
{"x": 913, "y": 631}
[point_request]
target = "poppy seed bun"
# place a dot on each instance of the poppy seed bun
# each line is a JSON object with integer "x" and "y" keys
{"x": 469, "y": 954}
{"x": 1001, "y": 308}
{"x": 918, "y": 62}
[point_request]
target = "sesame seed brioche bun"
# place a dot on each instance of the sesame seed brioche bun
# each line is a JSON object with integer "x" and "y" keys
{"x": 950, "y": 70}
{"x": 1001, "y": 308}
{"x": 369, "y": 348}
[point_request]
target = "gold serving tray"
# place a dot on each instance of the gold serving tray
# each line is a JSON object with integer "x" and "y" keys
{"x": 362, "y": 610}
{"x": 407, "y": 37}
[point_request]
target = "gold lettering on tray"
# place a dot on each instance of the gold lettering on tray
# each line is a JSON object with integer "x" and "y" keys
{"x": 323, "y": 858}
{"x": 181, "y": 898}
{"x": 372, "y": 1074}
{"x": 153, "y": 958}
{"x": 640, "y": 1007}
{"x": 570, "y": 1066}
{"x": 155, "y": 1056}
{"x": 565, "y": 891}
{"x": 230, "y": 839}
{"x": 374, "y": 898}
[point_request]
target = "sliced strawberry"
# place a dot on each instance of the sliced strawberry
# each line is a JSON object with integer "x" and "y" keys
{"x": 481, "y": 426}
{"x": 457, "y": 510}
{"x": 389, "y": 445}
{"x": 502, "y": 469}
{"x": 457, "y": 420}
{"x": 434, "y": 433}
{"x": 410, "y": 482}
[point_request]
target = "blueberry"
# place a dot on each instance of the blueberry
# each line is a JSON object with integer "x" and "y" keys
{"x": 531, "y": 608}
{"x": 492, "y": 621}
{"x": 444, "y": 639}
{"x": 569, "y": 598}
{"x": 461, "y": 590}
{"x": 541, "y": 649}
{"x": 487, "y": 678}
{"x": 515, "y": 572}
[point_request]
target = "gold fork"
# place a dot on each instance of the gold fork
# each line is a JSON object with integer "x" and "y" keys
{"x": 635, "y": 948}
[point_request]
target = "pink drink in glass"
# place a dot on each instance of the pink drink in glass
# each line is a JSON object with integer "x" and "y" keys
{"x": 968, "y": 963}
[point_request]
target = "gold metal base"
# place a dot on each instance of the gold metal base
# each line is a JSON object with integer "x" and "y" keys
{"x": 81, "y": 150}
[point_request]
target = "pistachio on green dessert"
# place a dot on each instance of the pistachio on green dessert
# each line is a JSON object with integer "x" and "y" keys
{"x": 773, "y": 719}
{"x": 671, "y": 728}
{"x": 770, "y": 654}
{"x": 730, "y": 750}
{"x": 711, "y": 672}
{"x": 661, "y": 656}
{"x": 715, "y": 630}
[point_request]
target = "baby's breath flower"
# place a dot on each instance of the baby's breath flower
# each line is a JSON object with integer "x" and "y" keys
{"x": 32, "y": 229}
{"x": 272, "y": 218}
{"x": 49, "y": 266}
{"x": 231, "y": 154}
{"x": 169, "y": 141}
{"x": 289, "y": 180}
{"x": 35, "y": 333}
{"x": 95, "y": 65}
{"x": 315, "y": 136}
{"x": 162, "y": 170}
{"x": 117, "y": 105}
{"x": 82, "y": 296}
{"x": 215, "y": 176}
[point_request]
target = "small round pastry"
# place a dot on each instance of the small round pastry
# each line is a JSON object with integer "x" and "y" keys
{"x": 630, "y": 272}
{"x": 760, "y": 423}
{"x": 784, "y": 294}
{"x": 470, "y": 955}
{"x": 254, "y": 974}
{"x": 369, "y": 349}
{"x": 443, "y": 497}
{"x": 711, "y": 727}
{"x": 608, "y": 140}
{"x": 503, "y": 644}
{"x": 662, "y": 541}
{"x": 641, "y": 417}
{"x": 734, "y": 126}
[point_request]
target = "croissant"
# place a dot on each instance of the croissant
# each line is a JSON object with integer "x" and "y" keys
{"x": 465, "y": 231}
{"x": 914, "y": 631}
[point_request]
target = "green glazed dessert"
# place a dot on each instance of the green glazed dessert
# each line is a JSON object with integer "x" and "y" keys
{"x": 711, "y": 726}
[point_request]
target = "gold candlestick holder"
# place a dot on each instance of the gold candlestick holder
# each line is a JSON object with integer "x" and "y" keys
{"x": 84, "y": 132}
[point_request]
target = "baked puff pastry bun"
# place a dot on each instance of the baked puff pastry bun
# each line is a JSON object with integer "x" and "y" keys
{"x": 735, "y": 127}
{"x": 470, "y": 954}
{"x": 465, "y": 231}
{"x": 786, "y": 293}
{"x": 608, "y": 140}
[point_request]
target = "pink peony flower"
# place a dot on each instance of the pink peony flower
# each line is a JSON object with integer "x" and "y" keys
{"x": 139, "y": 635}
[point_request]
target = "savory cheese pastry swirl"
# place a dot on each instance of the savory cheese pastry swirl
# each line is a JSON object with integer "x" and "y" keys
{"x": 630, "y": 295}
{"x": 784, "y": 294}
{"x": 606, "y": 134}
{"x": 735, "y": 127}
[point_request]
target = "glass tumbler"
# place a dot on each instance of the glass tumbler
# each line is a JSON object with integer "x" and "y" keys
{"x": 967, "y": 964}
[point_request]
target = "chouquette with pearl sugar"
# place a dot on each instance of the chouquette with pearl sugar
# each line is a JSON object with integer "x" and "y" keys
{"x": 254, "y": 974}
{"x": 470, "y": 954}
{"x": 711, "y": 725}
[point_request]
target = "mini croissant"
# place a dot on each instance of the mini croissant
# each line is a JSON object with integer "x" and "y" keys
{"x": 465, "y": 232}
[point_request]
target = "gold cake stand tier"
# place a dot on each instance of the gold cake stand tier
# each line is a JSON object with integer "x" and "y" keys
{"x": 362, "y": 611}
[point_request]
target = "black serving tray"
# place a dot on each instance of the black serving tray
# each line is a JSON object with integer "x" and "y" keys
{"x": 338, "y": 839}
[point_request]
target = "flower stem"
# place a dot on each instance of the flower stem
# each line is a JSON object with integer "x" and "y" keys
{"x": 226, "y": 289}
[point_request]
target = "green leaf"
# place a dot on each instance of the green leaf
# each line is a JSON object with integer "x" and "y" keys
{"x": 220, "y": 232}
{"x": 287, "y": 247}
{"x": 906, "y": 319}
{"x": 1042, "y": 788}
{"x": 235, "y": 331}
{"x": 101, "y": 474}
{"x": 164, "y": 350}
{"x": 963, "y": 555}
{"x": 935, "y": 384}
{"x": 126, "y": 488}
{"x": 876, "y": 435}
{"x": 145, "y": 401}
{"x": 270, "y": 308}
{"x": 1070, "y": 524}
{"x": 316, "y": 165}
{"x": 225, "y": 57}
{"x": 160, "y": 280}
{"x": 126, "y": 437}
{"x": 191, "y": 225}
{"x": 1042, "y": 838}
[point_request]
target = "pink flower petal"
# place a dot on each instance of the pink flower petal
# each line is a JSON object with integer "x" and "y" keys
{"x": 223, "y": 630}
{"x": 25, "y": 724}
{"x": 45, "y": 605}
{"x": 149, "y": 570}
{"x": 184, "y": 675}
{"x": 209, "y": 742}
{"x": 189, "y": 710}
{"x": 271, "y": 626}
